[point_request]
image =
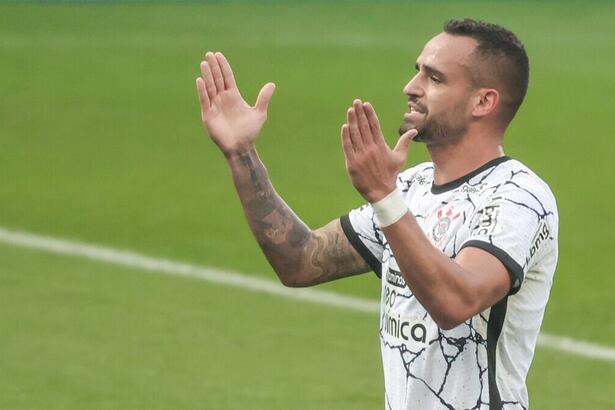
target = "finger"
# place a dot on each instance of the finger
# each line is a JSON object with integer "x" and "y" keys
{"x": 366, "y": 132}
{"x": 346, "y": 143}
{"x": 374, "y": 123}
{"x": 264, "y": 96}
{"x": 215, "y": 70}
{"x": 404, "y": 141}
{"x": 203, "y": 97}
{"x": 353, "y": 129}
{"x": 209, "y": 80}
{"x": 227, "y": 72}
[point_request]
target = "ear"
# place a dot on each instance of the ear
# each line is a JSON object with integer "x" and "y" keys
{"x": 485, "y": 102}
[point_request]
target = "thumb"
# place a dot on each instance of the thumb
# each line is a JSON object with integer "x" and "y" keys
{"x": 404, "y": 142}
{"x": 264, "y": 96}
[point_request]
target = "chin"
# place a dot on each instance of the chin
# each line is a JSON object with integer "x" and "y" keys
{"x": 421, "y": 137}
{"x": 407, "y": 126}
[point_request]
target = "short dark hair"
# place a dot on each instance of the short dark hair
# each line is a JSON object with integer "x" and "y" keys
{"x": 504, "y": 61}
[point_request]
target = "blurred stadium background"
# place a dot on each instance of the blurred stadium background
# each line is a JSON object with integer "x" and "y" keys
{"x": 101, "y": 142}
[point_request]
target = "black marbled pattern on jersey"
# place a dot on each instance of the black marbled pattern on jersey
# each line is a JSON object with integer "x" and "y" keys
{"x": 504, "y": 208}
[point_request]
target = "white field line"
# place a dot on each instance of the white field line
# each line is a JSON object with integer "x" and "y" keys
{"x": 139, "y": 261}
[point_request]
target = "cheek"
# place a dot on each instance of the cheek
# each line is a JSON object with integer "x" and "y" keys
{"x": 453, "y": 106}
{"x": 438, "y": 105}
{"x": 440, "y": 98}
{"x": 448, "y": 102}
{"x": 448, "y": 111}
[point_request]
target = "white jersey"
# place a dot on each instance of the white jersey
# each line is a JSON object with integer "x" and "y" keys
{"x": 504, "y": 209}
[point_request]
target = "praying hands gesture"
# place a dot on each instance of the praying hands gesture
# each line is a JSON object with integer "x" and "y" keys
{"x": 231, "y": 123}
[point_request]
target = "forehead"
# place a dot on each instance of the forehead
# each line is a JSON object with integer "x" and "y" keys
{"x": 448, "y": 53}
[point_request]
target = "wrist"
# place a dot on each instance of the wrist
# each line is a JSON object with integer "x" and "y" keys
{"x": 390, "y": 208}
{"x": 239, "y": 152}
{"x": 377, "y": 195}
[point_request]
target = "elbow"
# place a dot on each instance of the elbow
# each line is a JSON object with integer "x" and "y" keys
{"x": 289, "y": 281}
{"x": 448, "y": 323}
{"x": 450, "y": 318}
{"x": 287, "y": 274}
{"x": 292, "y": 279}
{"x": 454, "y": 310}
{"x": 292, "y": 283}
{"x": 293, "y": 272}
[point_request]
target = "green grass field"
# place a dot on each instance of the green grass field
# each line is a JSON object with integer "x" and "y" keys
{"x": 101, "y": 141}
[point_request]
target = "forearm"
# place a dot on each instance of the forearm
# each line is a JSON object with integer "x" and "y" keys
{"x": 299, "y": 255}
{"x": 451, "y": 290}
{"x": 280, "y": 233}
{"x": 443, "y": 287}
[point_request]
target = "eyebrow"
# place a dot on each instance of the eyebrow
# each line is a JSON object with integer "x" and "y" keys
{"x": 430, "y": 70}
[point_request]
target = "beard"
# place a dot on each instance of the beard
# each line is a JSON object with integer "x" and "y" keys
{"x": 436, "y": 129}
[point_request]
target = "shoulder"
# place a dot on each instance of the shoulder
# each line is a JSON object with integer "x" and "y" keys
{"x": 513, "y": 179}
{"x": 520, "y": 198}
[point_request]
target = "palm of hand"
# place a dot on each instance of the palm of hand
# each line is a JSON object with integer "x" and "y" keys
{"x": 371, "y": 164}
{"x": 231, "y": 123}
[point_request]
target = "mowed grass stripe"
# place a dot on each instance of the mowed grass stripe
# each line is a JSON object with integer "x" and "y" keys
{"x": 170, "y": 267}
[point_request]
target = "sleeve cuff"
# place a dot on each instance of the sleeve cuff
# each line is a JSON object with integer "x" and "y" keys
{"x": 359, "y": 246}
{"x": 515, "y": 271}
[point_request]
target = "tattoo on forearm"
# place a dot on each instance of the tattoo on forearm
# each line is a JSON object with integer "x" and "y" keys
{"x": 332, "y": 255}
{"x": 289, "y": 245}
{"x": 276, "y": 227}
{"x": 263, "y": 204}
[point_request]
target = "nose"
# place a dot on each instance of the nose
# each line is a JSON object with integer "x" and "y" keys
{"x": 413, "y": 87}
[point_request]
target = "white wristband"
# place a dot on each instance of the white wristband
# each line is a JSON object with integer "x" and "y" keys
{"x": 390, "y": 209}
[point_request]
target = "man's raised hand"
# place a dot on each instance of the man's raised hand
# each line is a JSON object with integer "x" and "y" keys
{"x": 371, "y": 164}
{"x": 231, "y": 123}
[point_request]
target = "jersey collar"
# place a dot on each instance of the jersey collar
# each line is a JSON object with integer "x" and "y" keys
{"x": 439, "y": 189}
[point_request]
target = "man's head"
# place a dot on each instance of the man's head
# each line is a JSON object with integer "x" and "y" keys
{"x": 472, "y": 72}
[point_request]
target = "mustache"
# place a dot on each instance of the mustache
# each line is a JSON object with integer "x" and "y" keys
{"x": 419, "y": 107}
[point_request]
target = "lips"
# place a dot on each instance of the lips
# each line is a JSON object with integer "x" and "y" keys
{"x": 415, "y": 108}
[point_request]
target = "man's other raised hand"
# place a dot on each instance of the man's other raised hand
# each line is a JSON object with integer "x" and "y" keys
{"x": 231, "y": 123}
{"x": 371, "y": 164}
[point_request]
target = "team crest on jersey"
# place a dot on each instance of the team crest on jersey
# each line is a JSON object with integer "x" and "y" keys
{"x": 442, "y": 226}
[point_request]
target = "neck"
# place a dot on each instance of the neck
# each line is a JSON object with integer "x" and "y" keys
{"x": 454, "y": 160}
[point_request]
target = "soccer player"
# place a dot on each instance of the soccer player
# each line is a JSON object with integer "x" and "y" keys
{"x": 465, "y": 245}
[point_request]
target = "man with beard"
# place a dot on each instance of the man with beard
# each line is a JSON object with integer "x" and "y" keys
{"x": 465, "y": 245}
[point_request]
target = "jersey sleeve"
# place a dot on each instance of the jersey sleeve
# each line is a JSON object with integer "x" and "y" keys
{"x": 516, "y": 225}
{"x": 365, "y": 236}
